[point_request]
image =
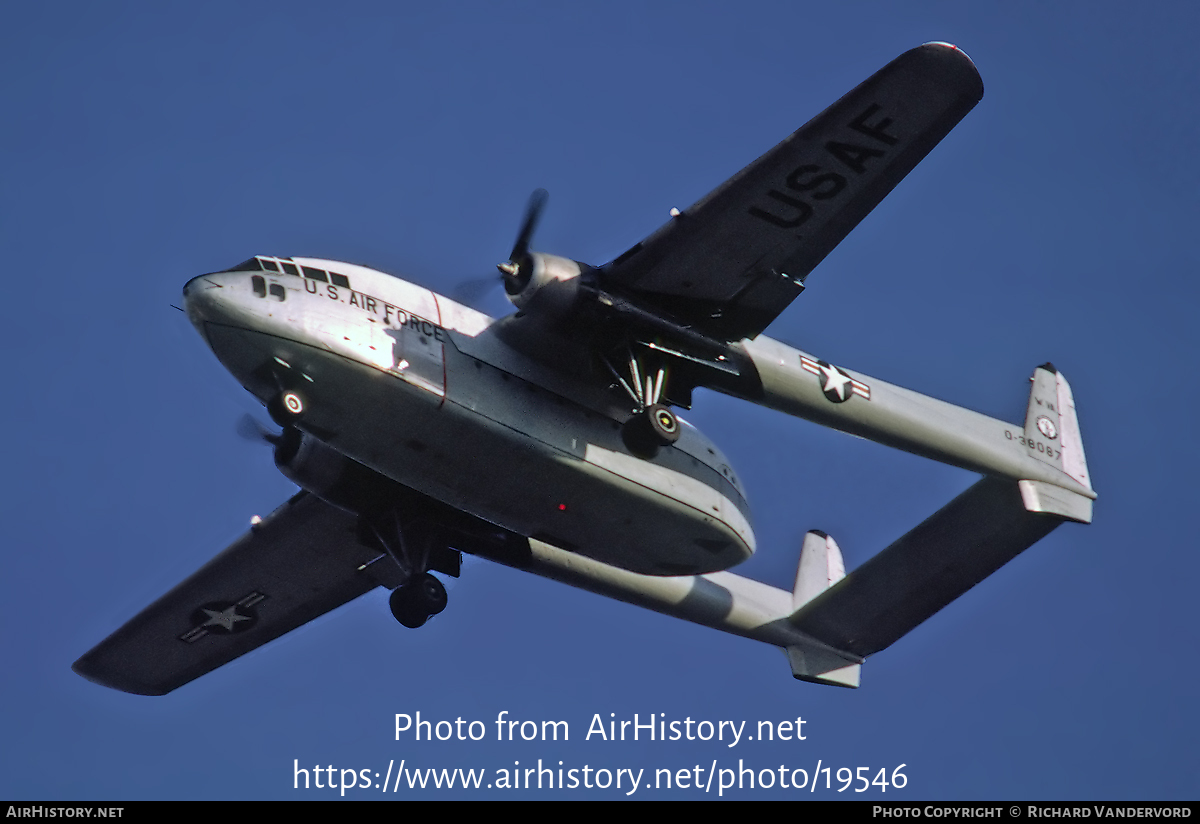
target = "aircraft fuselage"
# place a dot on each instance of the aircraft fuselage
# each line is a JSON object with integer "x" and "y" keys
{"x": 416, "y": 387}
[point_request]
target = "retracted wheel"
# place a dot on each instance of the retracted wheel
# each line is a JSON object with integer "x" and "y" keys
{"x": 287, "y": 407}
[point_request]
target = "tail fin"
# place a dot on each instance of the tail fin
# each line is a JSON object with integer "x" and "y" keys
{"x": 1051, "y": 427}
{"x": 821, "y": 567}
{"x": 1052, "y": 435}
{"x": 940, "y": 559}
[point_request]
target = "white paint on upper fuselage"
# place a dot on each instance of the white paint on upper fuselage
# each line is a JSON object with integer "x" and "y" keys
{"x": 687, "y": 524}
{"x": 409, "y": 297}
{"x": 376, "y": 319}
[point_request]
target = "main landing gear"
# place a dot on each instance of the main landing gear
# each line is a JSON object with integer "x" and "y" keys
{"x": 654, "y": 425}
{"x": 646, "y": 431}
{"x": 408, "y": 539}
{"x": 401, "y": 529}
{"x": 414, "y": 603}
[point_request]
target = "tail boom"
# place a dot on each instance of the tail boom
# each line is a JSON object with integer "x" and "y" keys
{"x": 802, "y": 385}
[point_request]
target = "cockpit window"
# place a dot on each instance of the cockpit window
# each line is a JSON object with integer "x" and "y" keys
{"x": 261, "y": 263}
{"x": 278, "y": 292}
{"x": 260, "y": 286}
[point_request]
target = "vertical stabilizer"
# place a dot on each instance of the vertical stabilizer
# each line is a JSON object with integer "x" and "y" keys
{"x": 1042, "y": 418}
{"x": 1051, "y": 427}
{"x": 821, "y": 567}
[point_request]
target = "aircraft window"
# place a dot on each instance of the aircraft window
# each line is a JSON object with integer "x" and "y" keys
{"x": 315, "y": 274}
{"x": 289, "y": 268}
{"x": 339, "y": 280}
{"x": 250, "y": 265}
{"x": 278, "y": 292}
{"x": 260, "y": 286}
{"x": 268, "y": 265}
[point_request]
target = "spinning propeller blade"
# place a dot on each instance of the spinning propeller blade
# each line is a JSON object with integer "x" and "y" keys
{"x": 512, "y": 268}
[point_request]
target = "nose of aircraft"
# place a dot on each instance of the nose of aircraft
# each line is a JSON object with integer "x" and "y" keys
{"x": 209, "y": 299}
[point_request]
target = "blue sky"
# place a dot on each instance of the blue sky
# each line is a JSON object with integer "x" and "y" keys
{"x": 148, "y": 143}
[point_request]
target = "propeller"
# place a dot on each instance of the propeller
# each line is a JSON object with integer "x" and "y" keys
{"x": 286, "y": 443}
{"x": 471, "y": 292}
{"x": 251, "y": 429}
{"x": 515, "y": 270}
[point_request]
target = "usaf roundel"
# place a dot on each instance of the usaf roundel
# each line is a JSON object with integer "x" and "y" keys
{"x": 223, "y": 618}
{"x": 836, "y": 385}
{"x": 1047, "y": 427}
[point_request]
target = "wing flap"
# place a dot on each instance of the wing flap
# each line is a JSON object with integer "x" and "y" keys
{"x": 733, "y": 261}
{"x": 301, "y": 561}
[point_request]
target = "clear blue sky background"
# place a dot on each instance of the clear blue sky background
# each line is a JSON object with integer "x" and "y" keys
{"x": 146, "y": 143}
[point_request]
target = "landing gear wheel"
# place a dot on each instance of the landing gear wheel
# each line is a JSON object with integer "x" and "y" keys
{"x": 287, "y": 407}
{"x": 663, "y": 423}
{"x": 429, "y": 593}
{"x": 414, "y": 603}
{"x": 654, "y": 426}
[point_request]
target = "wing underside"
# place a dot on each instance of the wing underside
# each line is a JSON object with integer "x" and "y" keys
{"x": 732, "y": 262}
{"x": 300, "y": 562}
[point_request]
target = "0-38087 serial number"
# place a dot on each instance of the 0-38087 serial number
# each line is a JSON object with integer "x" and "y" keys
{"x": 1032, "y": 444}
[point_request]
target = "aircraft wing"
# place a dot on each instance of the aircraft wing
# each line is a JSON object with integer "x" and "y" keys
{"x": 731, "y": 263}
{"x": 301, "y": 561}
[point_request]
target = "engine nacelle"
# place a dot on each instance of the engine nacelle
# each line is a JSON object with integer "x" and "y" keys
{"x": 331, "y": 476}
{"x": 546, "y": 285}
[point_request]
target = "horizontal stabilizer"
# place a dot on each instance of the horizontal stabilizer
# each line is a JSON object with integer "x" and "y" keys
{"x": 821, "y": 667}
{"x": 960, "y": 545}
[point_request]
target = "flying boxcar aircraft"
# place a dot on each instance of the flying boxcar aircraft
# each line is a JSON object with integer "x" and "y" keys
{"x": 418, "y": 429}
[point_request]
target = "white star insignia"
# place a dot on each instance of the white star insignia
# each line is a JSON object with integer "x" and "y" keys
{"x": 226, "y": 618}
{"x": 835, "y": 381}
